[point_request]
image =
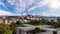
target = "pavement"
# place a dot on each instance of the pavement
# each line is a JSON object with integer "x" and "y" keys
{"x": 48, "y": 32}
{"x": 45, "y": 27}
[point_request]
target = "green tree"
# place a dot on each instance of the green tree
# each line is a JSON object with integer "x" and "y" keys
{"x": 13, "y": 27}
{"x": 4, "y": 29}
{"x": 58, "y": 20}
{"x": 42, "y": 21}
{"x": 34, "y": 22}
{"x": 37, "y": 30}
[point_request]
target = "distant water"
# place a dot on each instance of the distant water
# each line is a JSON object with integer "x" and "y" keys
{"x": 47, "y": 18}
{"x": 51, "y": 18}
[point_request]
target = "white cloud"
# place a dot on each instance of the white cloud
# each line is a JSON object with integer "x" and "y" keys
{"x": 28, "y": 2}
{"x": 54, "y": 4}
{"x": 0, "y": 2}
{"x": 11, "y": 2}
{"x": 7, "y": 13}
{"x": 51, "y": 13}
{"x": 22, "y": 5}
{"x": 3, "y": 12}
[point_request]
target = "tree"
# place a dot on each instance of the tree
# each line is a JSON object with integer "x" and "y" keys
{"x": 5, "y": 29}
{"x": 34, "y": 22}
{"x": 37, "y": 30}
{"x": 13, "y": 27}
{"x": 58, "y": 19}
{"x": 42, "y": 21}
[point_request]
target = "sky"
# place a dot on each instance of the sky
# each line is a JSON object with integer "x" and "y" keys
{"x": 39, "y": 7}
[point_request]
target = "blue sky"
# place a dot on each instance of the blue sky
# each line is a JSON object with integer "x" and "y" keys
{"x": 41, "y": 7}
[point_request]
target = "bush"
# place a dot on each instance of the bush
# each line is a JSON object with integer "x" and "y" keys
{"x": 54, "y": 24}
{"x": 37, "y": 30}
{"x": 37, "y": 22}
{"x": 34, "y": 22}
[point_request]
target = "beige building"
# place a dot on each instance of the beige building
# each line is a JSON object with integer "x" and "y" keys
{"x": 30, "y": 17}
{"x": 1, "y": 20}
